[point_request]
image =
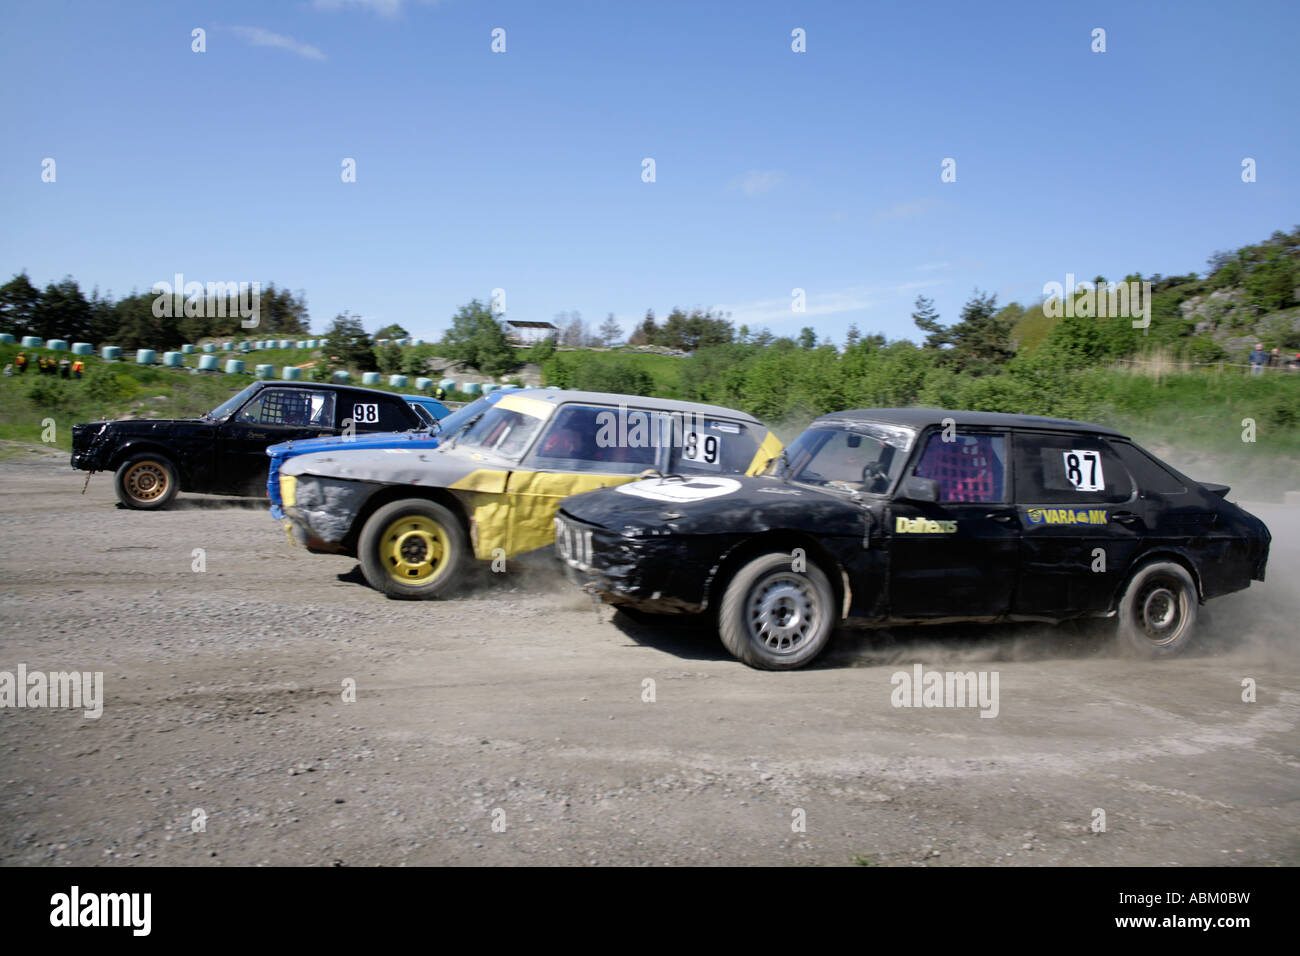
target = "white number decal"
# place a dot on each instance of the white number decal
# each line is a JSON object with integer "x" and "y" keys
{"x": 701, "y": 449}
{"x": 365, "y": 414}
{"x": 1083, "y": 470}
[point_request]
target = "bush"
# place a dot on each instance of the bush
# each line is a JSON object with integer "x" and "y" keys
{"x": 48, "y": 393}
{"x": 103, "y": 384}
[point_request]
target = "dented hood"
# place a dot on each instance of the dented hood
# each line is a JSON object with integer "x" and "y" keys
{"x": 704, "y": 504}
{"x": 413, "y": 465}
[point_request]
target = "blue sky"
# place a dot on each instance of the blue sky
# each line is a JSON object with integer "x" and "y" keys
{"x": 522, "y": 170}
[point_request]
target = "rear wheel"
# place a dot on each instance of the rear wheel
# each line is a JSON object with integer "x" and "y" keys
{"x": 146, "y": 482}
{"x": 413, "y": 549}
{"x": 1157, "y": 614}
{"x": 774, "y": 617}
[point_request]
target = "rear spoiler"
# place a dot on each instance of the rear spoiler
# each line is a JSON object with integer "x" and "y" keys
{"x": 1220, "y": 490}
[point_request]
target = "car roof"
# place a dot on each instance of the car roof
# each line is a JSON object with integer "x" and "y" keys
{"x": 334, "y": 386}
{"x": 558, "y": 396}
{"x": 919, "y": 418}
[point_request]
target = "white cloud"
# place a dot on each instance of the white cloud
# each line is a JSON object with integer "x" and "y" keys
{"x": 260, "y": 37}
{"x": 778, "y": 312}
{"x": 385, "y": 8}
{"x": 758, "y": 181}
{"x": 933, "y": 266}
{"x": 909, "y": 209}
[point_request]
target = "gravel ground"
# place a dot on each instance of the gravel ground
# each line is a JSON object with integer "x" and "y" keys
{"x": 509, "y": 725}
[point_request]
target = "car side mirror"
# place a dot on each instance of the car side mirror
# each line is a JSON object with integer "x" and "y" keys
{"x": 919, "y": 489}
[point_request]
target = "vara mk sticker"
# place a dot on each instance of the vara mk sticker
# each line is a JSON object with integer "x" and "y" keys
{"x": 1066, "y": 516}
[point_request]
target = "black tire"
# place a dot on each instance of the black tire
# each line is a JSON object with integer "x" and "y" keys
{"x": 413, "y": 549}
{"x": 146, "y": 482}
{"x": 775, "y": 618}
{"x": 1157, "y": 614}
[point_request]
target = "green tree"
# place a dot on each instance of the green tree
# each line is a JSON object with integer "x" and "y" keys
{"x": 62, "y": 312}
{"x": 611, "y": 332}
{"x": 348, "y": 345}
{"x": 981, "y": 340}
{"x": 807, "y": 338}
{"x": 392, "y": 331}
{"x": 388, "y": 357}
{"x": 647, "y": 333}
{"x": 18, "y": 301}
{"x": 927, "y": 320}
{"x": 543, "y": 350}
{"x": 477, "y": 338}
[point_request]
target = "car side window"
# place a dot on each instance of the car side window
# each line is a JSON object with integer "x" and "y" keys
{"x": 1068, "y": 469}
{"x": 1152, "y": 477}
{"x": 703, "y": 445}
{"x": 290, "y": 407}
{"x": 588, "y": 438}
{"x": 970, "y": 466}
{"x": 374, "y": 413}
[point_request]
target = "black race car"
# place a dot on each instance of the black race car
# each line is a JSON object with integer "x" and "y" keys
{"x": 224, "y": 452}
{"x": 918, "y": 515}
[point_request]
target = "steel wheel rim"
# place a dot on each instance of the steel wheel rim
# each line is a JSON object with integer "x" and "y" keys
{"x": 1160, "y": 610}
{"x": 782, "y": 613}
{"x": 145, "y": 481}
{"x": 414, "y": 549}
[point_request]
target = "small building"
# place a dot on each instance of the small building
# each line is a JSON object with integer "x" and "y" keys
{"x": 530, "y": 333}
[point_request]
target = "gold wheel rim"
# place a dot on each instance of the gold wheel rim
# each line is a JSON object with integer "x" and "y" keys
{"x": 414, "y": 549}
{"x": 145, "y": 481}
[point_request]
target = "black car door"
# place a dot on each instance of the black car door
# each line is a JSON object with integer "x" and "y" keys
{"x": 274, "y": 414}
{"x": 1081, "y": 523}
{"x": 958, "y": 556}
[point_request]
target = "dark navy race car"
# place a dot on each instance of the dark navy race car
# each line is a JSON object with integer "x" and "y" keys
{"x": 887, "y": 516}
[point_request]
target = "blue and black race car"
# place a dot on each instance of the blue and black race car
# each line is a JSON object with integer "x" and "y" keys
{"x": 918, "y": 515}
{"x": 447, "y": 423}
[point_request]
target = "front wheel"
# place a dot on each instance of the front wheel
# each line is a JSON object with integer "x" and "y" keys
{"x": 774, "y": 617}
{"x": 146, "y": 482}
{"x": 413, "y": 549}
{"x": 1157, "y": 614}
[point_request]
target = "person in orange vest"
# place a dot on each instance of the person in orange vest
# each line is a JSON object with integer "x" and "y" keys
{"x": 20, "y": 362}
{"x": 77, "y": 368}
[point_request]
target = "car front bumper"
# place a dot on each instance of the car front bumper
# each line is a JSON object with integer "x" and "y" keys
{"x": 650, "y": 573}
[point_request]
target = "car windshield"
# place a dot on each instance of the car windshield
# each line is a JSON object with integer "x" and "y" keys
{"x": 453, "y": 423}
{"x": 228, "y": 407}
{"x": 851, "y": 456}
{"x": 504, "y": 431}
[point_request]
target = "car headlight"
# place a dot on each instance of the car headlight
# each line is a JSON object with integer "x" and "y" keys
{"x": 288, "y": 490}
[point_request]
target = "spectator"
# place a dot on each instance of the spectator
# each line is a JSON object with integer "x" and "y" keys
{"x": 1275, "y": 358}
{"x": 20, "y": 363}
{"x": 1257, "y": 359}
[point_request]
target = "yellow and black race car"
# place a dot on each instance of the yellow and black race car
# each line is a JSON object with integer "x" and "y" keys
{"x": 416, "y": 517}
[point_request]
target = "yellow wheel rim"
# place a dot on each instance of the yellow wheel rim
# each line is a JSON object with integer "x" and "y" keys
{"x": 414, "y": 549}
{"x": 145, "y": 481}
